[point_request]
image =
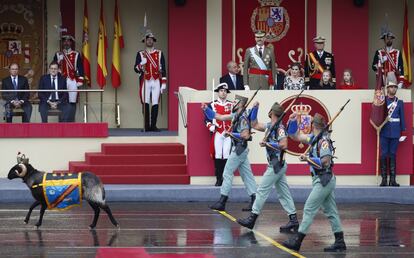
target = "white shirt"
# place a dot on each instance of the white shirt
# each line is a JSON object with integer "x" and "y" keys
{"x": 320, "y": 53}
{"x": 15, "y": 78}
{"x": 260, "y": 47}
{"x": 56, "y": 86}
{"x": 233, "y": 78}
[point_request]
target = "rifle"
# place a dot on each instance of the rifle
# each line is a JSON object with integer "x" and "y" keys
{"x": 325, "y": 129}
{"x": 238, "y": 114}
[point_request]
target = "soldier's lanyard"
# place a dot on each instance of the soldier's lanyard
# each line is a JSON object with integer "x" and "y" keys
{"x": 390, "y": 59}
{"x": 392, "y": 107}
{"x": 315, "y": 61}
{"x": 68, "y": 63}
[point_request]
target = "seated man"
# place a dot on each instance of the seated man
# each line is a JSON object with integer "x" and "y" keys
{"x": 233, "y": 79}
{"x": 53, "y": 100}
{"x": 16, "y": 99}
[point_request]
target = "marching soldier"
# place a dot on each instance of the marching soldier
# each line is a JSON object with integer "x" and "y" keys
{"x": 316, "y": 62}
{"x": 323, "y": 183}
{"x": 150, "y": 65}
{"x": 390, "y": 134}
{"x": 275, "y": 174}
{"x": 71, "y": 67}
{"x": 221, "y": 144}
{"x": 259, "y": 65}
{"x": 389, "y": 58}
{"x": 240, "y": 134}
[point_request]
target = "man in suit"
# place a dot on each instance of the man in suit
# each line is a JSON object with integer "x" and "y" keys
{"x": 259, "y": 65}
{"x": 233, "y": 79}
{"x": 16, "y": 99}
{"x": 53, "y": 100}
{"x": 316, "y": 62}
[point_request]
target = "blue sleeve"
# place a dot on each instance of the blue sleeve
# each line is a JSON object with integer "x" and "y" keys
{"x": 79, "y": 66}
{"x": 206, "y": 119}
{"x": 402, "y": 119}
{"x": 137, "y": 62}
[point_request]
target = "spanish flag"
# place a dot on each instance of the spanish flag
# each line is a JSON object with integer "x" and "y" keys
{"x": 406, "y": 51}
{"x": 85, "y": 46}
{"x": 101, "y": 51}
{"x": 116, "y": 54}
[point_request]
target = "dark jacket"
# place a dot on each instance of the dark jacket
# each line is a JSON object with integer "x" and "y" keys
{"x": 239, "y": 82}
{"x": 22, "y": 84}
{"x": 45, "y": 83}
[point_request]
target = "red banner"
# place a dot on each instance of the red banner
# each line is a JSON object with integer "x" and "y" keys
{"x": 284, "y": 25}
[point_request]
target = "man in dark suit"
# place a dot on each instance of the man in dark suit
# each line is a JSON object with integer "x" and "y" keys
{"x": 233, "y": 79}
{"x": 53, "y": 100}
{"x": 16, "y": 99}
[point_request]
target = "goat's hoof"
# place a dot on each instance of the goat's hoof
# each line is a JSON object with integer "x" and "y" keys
{"x": 118, "y": 226}
{"x": 91, "y": 227}
{"x": 26, "y": 222}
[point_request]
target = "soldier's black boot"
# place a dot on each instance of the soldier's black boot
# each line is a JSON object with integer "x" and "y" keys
{"x": 383, "y": 166}
{"x": 154, "y": 116}
{"x": 393, "y": 172}
{"x": 146, "y": 117}
{"x": 249, "y": 207}
{"x": 295, "y": 241}
{"x": 249, "y": 221}
{"x": 292, "y": 226}
{"x": 216, "y": 171}
{"x": 339, "y": 245}
{"x": 220, "y": 205}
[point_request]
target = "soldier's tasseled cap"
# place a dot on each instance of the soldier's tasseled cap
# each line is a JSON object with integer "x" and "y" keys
{"x": 259, "y": 34}
{"x": 21, "y": 158}
{"x": 276, "y": 109}
{"x": 240, "y": 99}
{"x": 386, "y": 32}
{"x": 319, "y": 121}
{"x": 222, "y": 86}
{"x": 149, "y": 34}
{"x": 319, "y": 39}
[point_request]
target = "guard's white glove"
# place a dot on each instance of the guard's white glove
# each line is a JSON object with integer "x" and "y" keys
{"x": 143, "y": 61}
{"x": 400, "y": 85}
{"x": 384, "y": 59}
{"x": 246, "y": 87}
{"x": 163, "y": 88}
{"x": 212, "y": 128}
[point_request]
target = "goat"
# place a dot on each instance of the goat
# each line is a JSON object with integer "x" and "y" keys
{"x": 92, "y": 189}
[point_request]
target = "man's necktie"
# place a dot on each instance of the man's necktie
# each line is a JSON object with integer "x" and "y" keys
{"x": 54, "y": 94}
{"x": 14, "y": 83}
{"x": 260, "y": 52}
{"x": 233, "y": 78}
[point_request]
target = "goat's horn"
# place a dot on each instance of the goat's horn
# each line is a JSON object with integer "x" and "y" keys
{"x": 24, "y": 171}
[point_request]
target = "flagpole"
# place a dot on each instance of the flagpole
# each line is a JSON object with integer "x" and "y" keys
{"x": 117, "y": 120}
{"x": 101, "y": 106}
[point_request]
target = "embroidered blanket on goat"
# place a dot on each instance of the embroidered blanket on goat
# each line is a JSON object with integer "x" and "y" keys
{"x": 62, "y": 191}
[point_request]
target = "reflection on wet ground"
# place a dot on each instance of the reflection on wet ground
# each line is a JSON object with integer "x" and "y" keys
{"x": 172, "y": 230}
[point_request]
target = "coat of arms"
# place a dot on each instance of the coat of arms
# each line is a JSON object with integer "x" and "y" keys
{"x": 271, "y": 18}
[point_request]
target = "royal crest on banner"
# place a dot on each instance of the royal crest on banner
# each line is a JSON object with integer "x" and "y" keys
{"x": 306, "y": 107}
{"x": 271, "y": 18}
{"x": 22, "y": 38}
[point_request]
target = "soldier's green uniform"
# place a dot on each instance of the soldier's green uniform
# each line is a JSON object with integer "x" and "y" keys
{"x": 238, "y": 159}
{"x": 321, "y": 196}
{"x": 275, "y": 175}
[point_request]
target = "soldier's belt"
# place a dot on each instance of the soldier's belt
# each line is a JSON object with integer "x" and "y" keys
{"x": 268, "y": 73}
{"x": 393, "y": 120}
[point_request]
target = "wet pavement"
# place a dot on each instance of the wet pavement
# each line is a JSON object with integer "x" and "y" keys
{"x": 184, "y": 230}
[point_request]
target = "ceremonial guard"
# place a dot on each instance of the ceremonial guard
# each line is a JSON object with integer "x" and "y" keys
{"x": 240, "y": 134}
{"x": 71, "y": 67}
{"x": 275, "y": 174}
{"x": 259, "y": 65}
{"x": 220, "y": 144}
{"x": 322, "y": 195}
{"x": 316, "y": 62}
{"x": 150, "y": 65}
{"x": 390, "y": 134}
{"x": 389, "y": 58}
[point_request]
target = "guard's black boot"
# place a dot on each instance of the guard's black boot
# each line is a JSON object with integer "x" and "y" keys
{"x": 249, "y": 221}
{"x": 249, "y": 207}
{"x": 146, "y": 118}
{"x": 295, "y": 241}
{"x": 339, "y": 245}
{"x": 220, "y": 205}
{"x": 216, "y": 171}
{"x": 292, "y": 226}
{"x": 393, "y": 172}
{"x": 220, "y": 171}
{"x": 154, "y": 116}
{"x": 383, "y": 165}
